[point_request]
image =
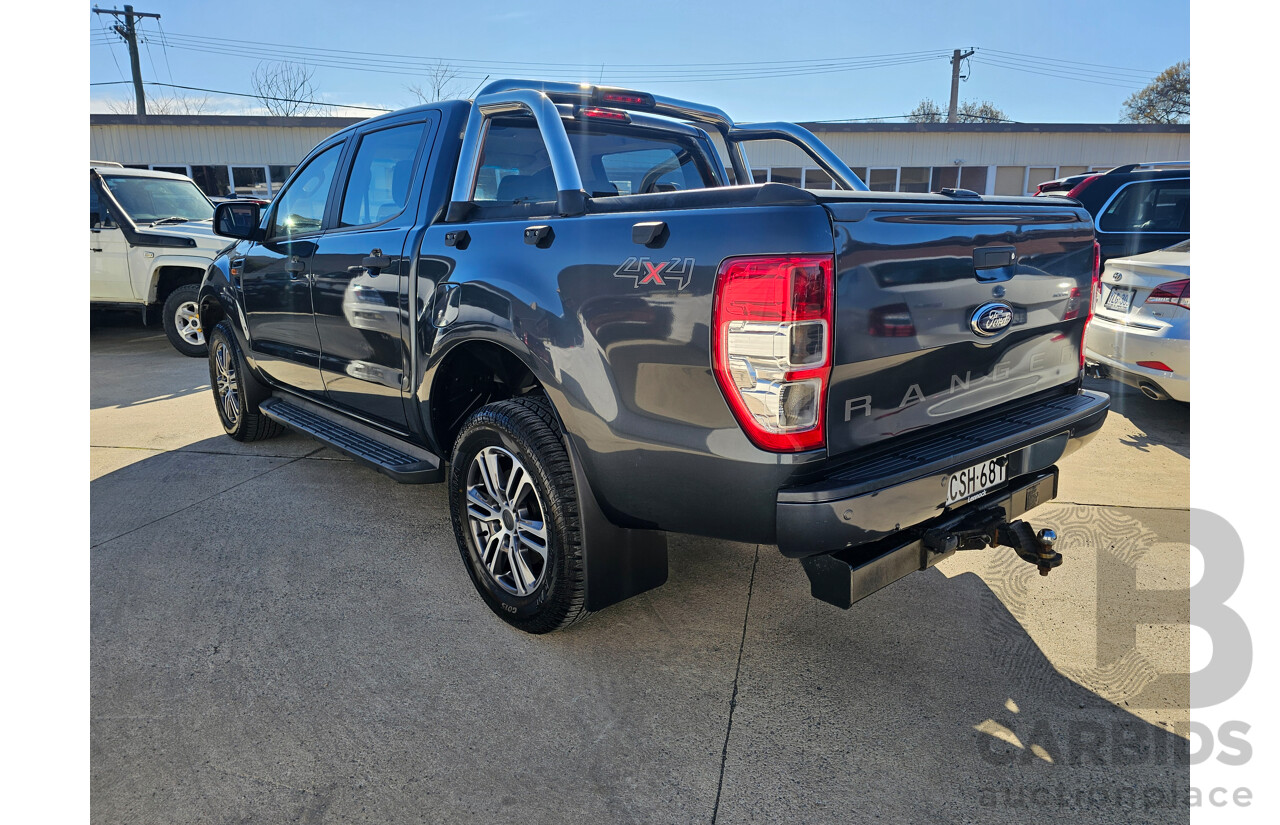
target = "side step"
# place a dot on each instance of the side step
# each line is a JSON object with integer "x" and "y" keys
{"x": 406, "y": 463}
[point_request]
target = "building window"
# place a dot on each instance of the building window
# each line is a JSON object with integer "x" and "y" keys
{"x": 212, "y": 180}
{"x": 914, "y": 179}
{"x": 860, "y": 171}
{"x": 816, "y": 179}
{"x": 974, "y": 178}
{"x": 279, "y": 174}
{"x": 883, "y": 180}
{"x": 760, "y": 175}
{"x": 249, "y": 182}
{"x": 944, "y": 177}
{"x": 786, "y": 174}
{"x": 177, "y": 170}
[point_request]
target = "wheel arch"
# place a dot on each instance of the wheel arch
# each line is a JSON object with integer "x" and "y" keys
{"x": 473, "y": 372}
{"x": 170, "y": 272}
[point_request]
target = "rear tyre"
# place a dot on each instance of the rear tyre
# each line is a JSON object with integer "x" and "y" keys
{"x": 182, "y": 321}
{"x": 236, "y": 392}
{"x": 515, "y": 515}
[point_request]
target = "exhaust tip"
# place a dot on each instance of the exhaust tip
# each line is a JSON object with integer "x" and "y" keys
{"x": 1153, "y": 392}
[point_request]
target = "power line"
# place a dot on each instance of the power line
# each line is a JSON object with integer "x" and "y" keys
{"x": 1013, "y": 67}
{"x": 1043, "y": 59}
{"x": 246, "y": 94}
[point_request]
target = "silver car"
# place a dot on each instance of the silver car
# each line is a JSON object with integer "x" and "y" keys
{"x": 1141, "y": 328}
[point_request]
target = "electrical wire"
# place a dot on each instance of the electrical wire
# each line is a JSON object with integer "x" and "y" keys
{"x": 1042, "y": 59}
{"x": 107, "y": 41}
{"x": 245, "y": 94}
{"x": 1059, "y": 75}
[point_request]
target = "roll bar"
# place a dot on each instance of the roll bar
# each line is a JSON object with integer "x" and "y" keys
{"x": 539, "y": 98}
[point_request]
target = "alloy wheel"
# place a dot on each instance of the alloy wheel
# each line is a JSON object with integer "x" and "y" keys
{"x": 187, "y": 322}
{"x": 228, "y": 384}
{"x": 507, "y": 521}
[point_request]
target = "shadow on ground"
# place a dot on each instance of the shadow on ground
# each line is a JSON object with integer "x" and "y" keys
{"x": 283, "y": 639}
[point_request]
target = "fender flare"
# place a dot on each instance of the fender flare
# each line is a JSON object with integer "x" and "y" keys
{"x": 179, "y": 261}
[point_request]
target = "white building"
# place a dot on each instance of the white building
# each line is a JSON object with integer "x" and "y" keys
{"x": 253, "y": 155}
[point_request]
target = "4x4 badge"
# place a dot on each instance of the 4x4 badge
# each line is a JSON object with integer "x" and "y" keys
{"x": 643, "y": 271}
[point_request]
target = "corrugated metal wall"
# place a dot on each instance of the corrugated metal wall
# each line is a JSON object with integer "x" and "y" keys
{"x": 194, "y": 145}
{"x": 982, "y": 149}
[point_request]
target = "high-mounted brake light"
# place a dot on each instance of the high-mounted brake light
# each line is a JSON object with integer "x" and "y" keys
{"x": 771, "y": 346}
{"x": 1172, "y": 292}
{"x": 627, "y": 98}
{"x": 605, "y": 114}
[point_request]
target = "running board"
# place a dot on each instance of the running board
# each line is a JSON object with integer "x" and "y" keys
{"x": 394, "y": 457}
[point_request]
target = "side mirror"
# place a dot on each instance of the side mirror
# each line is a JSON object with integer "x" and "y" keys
{"x": 237, "y": 219}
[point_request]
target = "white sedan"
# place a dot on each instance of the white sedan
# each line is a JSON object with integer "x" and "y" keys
{"x": 1141, "y": 328}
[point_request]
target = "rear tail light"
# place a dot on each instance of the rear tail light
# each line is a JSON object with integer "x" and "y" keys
{"x": 771, "y": 346}
{"x": 1173, "y": 292}
{"x": 1095, "y": 289}
{"x": 1081, "y": 186}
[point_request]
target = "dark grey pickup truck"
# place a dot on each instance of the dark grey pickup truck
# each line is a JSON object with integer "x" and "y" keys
{"x": 570, "y": 304}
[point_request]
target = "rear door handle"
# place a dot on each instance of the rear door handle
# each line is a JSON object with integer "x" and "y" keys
{"x": 376, "y": 260}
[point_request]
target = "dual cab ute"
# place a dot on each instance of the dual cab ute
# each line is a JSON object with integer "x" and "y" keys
{"x": 567, "y": 303}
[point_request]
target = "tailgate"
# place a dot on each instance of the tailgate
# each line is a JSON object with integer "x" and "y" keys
{"x": 944, "y": 310}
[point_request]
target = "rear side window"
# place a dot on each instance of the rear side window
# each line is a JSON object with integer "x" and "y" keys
{"x": 1155, "y": 206}
{"x": 378, "y": 186}
{"x": 515, "y": 167}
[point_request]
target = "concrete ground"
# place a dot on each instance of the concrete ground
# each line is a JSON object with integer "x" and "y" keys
{"x": 281, "y": 635}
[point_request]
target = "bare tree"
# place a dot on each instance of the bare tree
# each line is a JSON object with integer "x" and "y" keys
{"x": 441, "y": 82}
{"x": 286, "y": 89}
{"x": 1167, "y": 99}
{"x": 177, "y": 104}
{"x": 926, "y": 111}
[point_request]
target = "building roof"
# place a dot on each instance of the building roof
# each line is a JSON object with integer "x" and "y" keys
{"x": 222, "y": 120}
{"x": 336, "y": 123}
{"x": 997, "y": 128}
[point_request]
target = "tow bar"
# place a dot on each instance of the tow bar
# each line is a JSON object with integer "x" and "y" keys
{"x": 847, "y": 576}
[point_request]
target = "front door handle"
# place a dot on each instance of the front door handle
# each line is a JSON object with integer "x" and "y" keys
{"x": 295, "y": 267}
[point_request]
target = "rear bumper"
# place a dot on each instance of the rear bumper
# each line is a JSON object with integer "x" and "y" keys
{"x": 889, "y": 494}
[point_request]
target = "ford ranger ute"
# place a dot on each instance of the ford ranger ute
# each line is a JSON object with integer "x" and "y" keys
{"x": 570, "y": 304}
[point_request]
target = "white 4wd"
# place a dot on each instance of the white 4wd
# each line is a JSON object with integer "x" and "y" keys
{"x": 150, "y": 241}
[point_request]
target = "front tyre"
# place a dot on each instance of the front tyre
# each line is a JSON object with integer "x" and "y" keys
{"x": 235, "y": 390}
{"x": 182, "y": 321}
{"x": 515, "y": 515}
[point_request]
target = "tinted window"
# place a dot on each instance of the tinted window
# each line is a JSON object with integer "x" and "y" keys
{"x": 816, "y": 179}
{"x": 515, "y": 166}
{"x": 914, "y": 179}
{"x": 212, "y": 180}
{"x": 97, "y": 211}
{"x": 378, "y": 186}
{"x": 300, "y": 208}
{"x": 250, "y": 181}
{"x": 786, "y": 174}
{"x": 883, "y": 180}
{"x": 1159, "y": 206}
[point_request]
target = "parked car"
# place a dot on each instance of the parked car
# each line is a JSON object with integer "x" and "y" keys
{"x": 1136, "y": 208}
{"x": 150, "y": 240}
{"x": 1140, "y": 334}
{"x": 551, "y": 300}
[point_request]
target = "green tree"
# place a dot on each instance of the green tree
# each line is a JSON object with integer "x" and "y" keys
{"x": 1167, "y": 99}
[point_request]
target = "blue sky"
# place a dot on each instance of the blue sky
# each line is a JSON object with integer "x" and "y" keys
{"x": 1037, "y": 61}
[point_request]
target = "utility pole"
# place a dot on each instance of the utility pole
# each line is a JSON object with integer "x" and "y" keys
{"x": 956, "y": 57}
{"x": 130, "y": 34}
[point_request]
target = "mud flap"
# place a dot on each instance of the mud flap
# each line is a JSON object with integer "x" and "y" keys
{"x": 620, "y": 562}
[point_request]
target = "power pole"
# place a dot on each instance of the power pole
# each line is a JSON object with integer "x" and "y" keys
{"x": 956, "y": 57}
{"x": 130, "y": 34}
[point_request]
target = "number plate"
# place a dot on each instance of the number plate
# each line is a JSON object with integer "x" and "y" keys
{"x": 1119, "y": 299}
{"x": 977, "y": 479}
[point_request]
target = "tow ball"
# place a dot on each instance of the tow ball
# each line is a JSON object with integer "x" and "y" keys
{"x": 989, "y": 529}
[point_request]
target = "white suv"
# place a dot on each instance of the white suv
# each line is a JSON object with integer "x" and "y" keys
{"x": 150, "y": 241}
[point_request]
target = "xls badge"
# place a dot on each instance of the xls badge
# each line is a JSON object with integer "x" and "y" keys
{"x": 643, "y": 271}
{"x": 991, "y": 319}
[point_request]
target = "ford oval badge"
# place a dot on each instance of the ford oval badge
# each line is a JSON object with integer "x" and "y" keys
{"x": 991, "y": 319}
